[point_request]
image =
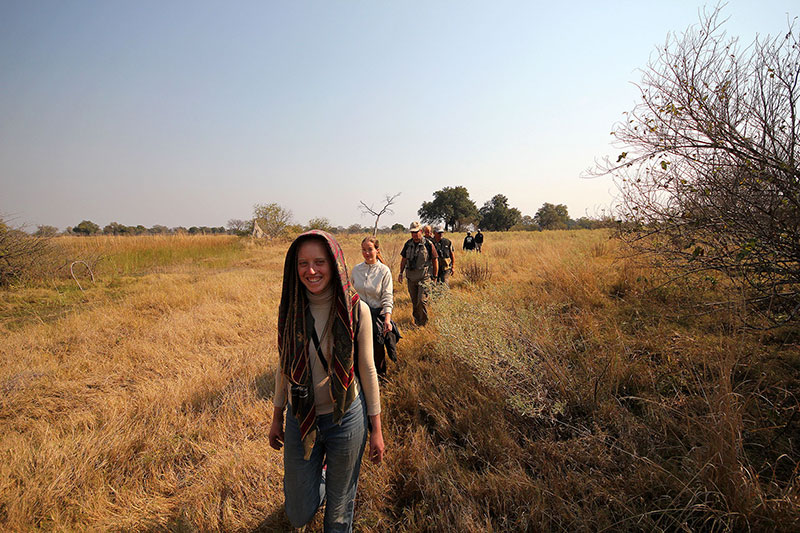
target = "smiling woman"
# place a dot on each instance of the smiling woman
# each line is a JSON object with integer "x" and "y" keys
{"x": 326, "y": 363}
{"x": 313, "y": 266}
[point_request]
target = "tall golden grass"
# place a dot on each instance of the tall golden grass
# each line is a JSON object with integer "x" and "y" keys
{"x": 570, "y": 391}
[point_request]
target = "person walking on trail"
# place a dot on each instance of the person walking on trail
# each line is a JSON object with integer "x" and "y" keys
{"x": 326, "y": 375}
{"x": 427, "y": 232}
{"x": 447, "y": 256}
{"x": 419, "y": 262}
{"x": 469, "y": 242}
{"x": 373, "y": 281}
{"x": 478, "y": 241}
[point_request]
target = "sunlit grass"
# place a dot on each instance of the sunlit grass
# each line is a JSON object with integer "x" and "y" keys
{"x": 570, "y": 391}
{"x": 111, "y": 254}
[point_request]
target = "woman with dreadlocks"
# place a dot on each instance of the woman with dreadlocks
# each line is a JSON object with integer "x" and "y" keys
{"x": 327, "y": 375}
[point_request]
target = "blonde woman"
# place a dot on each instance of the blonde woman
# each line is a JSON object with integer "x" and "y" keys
{"x": 373, "y": 281}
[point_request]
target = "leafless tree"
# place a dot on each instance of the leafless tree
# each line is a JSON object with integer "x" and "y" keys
{"x": 388, "y": 201}
{"x": 709, "y": 177}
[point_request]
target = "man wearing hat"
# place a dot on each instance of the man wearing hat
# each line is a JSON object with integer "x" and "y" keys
{"x": 419, "y": 262}
{"x": 444, "y": 249}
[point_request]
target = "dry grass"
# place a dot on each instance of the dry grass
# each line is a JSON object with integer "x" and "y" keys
{"x": 570, "y": 392}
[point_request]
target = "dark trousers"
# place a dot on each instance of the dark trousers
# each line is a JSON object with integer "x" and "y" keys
{"x": 383, "y": 345}
{"x": 418, "y": 291}
{"x": 444, "y": 273}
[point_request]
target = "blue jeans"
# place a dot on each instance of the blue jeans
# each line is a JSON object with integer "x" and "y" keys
{"x": 341, "y": 447}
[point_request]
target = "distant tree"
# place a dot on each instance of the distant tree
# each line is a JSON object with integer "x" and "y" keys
{"x": 320, "y": 223}
{"x": 497, "y": 216}
{"x": 551, "y": 216}
{"x": 240, "y": 227}
{"x": 709, "y": 178}
{"x": 272, "y": 219}
{"x": 388, "y": 200}
{"x": 356, "y": 228}
{"x": 86, "y": 227}
{"x": 452, "y": 206}
{"x": 114, "y": 228}
{"x": 398, "y": 227}
{"x": 158, "y": 229}
{"x": 526, "y": 223}
{"x": 46, "y": 231}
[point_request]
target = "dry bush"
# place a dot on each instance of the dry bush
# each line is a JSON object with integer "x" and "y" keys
{"x": 476, "y": 270}
{"x": 24, "y": 257}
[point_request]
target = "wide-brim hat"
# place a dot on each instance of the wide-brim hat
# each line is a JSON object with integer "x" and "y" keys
{"x": 415, "y": 227}
{"x": 438, "y": 229}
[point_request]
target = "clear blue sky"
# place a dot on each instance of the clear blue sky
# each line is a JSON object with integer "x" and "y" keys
{"x": 189, "y": 112}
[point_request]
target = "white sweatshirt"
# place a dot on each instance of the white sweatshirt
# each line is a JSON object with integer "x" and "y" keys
{"x": 374, "y": 285}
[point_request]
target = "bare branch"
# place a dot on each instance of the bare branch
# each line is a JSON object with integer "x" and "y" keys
{"x": 708, "y": 173}
{"x": 388, "y": 201}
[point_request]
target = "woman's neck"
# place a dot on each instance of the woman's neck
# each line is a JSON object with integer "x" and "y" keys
{"x": 323, "y": 297}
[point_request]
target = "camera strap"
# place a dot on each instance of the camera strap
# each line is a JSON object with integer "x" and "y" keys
{"x": 319, "y": 350}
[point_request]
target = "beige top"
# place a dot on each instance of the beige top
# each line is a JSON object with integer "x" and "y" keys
{"x": 320, "y": 308}
{"x": 374, "y": 285}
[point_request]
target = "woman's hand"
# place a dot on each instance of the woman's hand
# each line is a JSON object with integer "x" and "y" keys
{"x": 376, "y": 440}
{"x": 276, "y": 429}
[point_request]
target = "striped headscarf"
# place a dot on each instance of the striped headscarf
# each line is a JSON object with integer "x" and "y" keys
{"x": 295, "y": 324}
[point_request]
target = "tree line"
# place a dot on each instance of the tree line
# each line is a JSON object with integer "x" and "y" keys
{"x": 87, "y": 227}
{"x": 452, "y": 207}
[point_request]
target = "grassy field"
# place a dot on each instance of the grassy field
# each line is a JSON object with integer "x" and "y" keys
{"x": 558, "y": 387}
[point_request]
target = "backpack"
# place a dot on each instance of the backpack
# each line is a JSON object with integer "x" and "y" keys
{"x": 444, "y": 248}
{"x": 418, "y": 254}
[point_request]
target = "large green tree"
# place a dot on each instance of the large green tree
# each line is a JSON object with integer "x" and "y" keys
{"x": 497, "y": 216}
{"x": 452, "y": 206}
{"x": 551, "y": 216}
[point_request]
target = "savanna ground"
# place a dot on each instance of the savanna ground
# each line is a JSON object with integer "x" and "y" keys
{"x": 562, "y": 389}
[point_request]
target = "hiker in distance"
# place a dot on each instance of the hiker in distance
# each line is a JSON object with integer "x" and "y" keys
{"x": 327, "y": 376}
{"x": 478, "y": 241}
{"x": 373, "y": 281}
{"x": 445, "y": 252}
{"x": 469, "y": 242}
{"x": 419, "y": 263}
